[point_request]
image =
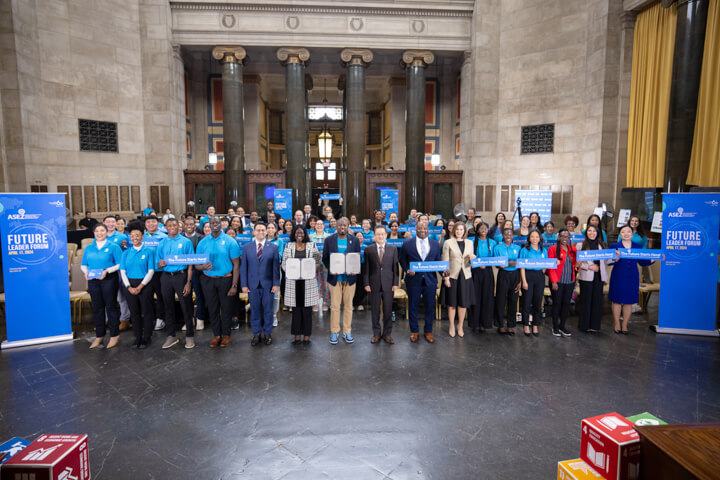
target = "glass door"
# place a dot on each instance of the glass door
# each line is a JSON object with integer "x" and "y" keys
{"x": 204, "y": 197}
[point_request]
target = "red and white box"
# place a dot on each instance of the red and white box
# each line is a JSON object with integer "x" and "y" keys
{"x": 610, "y": 445}
{"x": 50, "y": 457}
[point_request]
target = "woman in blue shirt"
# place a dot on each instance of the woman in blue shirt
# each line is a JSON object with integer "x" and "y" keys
{"x": 638, "y": 232}
{"x": 439, "y": 237}
{"x": 533, "y": 283}
{"x": 137, "y": 267}
{"x": 508, "y": 282}
{"x": 496, "y": 229}
{"x": 100, "y": 263}
{"x": 272, "y": 237}
{"x": 318, "y": 235}
{"x": 481, "y": 314}
{"x": 499, "y": 236}
{"x": 549, "y": 237}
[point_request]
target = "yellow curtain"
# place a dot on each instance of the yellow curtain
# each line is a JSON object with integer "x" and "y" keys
{"x": 705, "y": 160}
{"x": 653, "y": 47}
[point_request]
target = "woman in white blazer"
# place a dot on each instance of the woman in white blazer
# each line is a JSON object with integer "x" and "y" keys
{"x": 592, "y": 276}
{"x": 459, "y": 294}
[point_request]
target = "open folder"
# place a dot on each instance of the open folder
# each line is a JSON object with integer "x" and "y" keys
{"x": 300, "y": 268}
{"x": 345, "y": 263}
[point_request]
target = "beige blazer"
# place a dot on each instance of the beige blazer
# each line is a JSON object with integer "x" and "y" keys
{"x": 451, "y": 253}
{"x": 587, "y": 275}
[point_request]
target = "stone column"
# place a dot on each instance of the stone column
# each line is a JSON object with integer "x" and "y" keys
{"x": 687, "y": 64}
{"x": 232, "y": 59}
{"x": 296, "y": 144}
{"x": 415, "y": 62}
{"x": 355, "y": 60}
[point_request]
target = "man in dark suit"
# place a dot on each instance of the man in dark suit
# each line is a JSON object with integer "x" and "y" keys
{"x": 380, "y": 278}
{"x": 342, "y": 287}
{"x": 260, "y": 278}
{"x": 420, "y": 249}
{"x": 299, "y": 218}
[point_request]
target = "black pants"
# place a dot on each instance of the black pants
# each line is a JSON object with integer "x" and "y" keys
{"x": 481, "y": 313}
{"x": 156, "y": 287}
{"x": 561, "y": 304}
{"x": 103, "y": 294}
{"x": 220, "y": 306}
{"x": 505, "y": 294}
{"x": 591, "y": 304}
{"x": 301, "y": 315}
{"x": 386, "y": 298}
{"x": 532, "y": 297}
{"x": 141, "y": 310}
{"x": 201, "y": 309}
{"x": 172, "y": 284}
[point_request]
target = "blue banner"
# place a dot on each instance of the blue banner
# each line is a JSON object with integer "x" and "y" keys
{"x": 537, "y": 263}
{"x": 406, "y": 228}
{"x": 95, "y": 273}
{"x": 490, "y": 262}
{"x": 12, "y": 447}
{"x": 285, "y": 237}
{"x": 577, "y": 238}
{"x": 539, "y": 201}
{"x": 592, "y": 255}
{"x": 640, "y": 254}
{"x": 429, "y": 266}
{"x": 690, "y": 271}
{"x": 389, "y": 200}
{"x": 395, "y": 242}
{"x": 35, "y": 268}
{"x": 188, "y": 259}
{"x": 520, "y": 241}
{"x": 243, "y": 239}
{"x": 356, "y": 229}
{"x": 282, "y": 202}
{"x": 151, "y": 242}
{"x": 320, "y": 246}
{"x": 330, "y": 196}
{"x": 435, "y": 230}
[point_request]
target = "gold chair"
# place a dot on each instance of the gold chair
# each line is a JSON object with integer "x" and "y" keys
{"x": 401, "y": 294}
{"x": 86, "y": 241}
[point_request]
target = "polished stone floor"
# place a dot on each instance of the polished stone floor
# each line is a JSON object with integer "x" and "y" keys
{"x": 481, "y": 407}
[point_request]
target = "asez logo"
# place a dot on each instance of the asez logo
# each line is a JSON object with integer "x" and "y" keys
{"x": 681, "y": 213}
{"x": 56, "y": 204}
{"x": 21, "y": 215}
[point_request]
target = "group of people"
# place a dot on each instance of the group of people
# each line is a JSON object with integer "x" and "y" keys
{"x": 147, "y": 270}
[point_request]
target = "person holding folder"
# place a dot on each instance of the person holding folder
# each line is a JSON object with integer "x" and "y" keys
{"x": 508, "y": 283}
{"x": 302, "y": 294}
{"x": 481, "y": 314}
{"x": 420, "y": 284}
{"x": 260, "y": 279}
{"x": 137, "y": 267}
{"x": 591, "y": 275}
{"x": 342, "y": 286}
{"x": 458, "y": 251}
{"x": 380, "y": 278}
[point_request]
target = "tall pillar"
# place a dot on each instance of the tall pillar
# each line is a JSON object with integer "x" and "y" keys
{"x": 355, "y": 60}
{"x": 296, "y": 144}
{"x": 415, "y": 62}
{"x": 687, "y": 64}
{"x": 232, "y": 59}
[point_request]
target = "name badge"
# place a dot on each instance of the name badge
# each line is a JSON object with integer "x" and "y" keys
{"x": 490, "y": 262}
{"x": 435, "y": 230}
{"x": 591, "y": 255}
{"x": 95, "y": 273}
{"x": 638, "y": 254}
{"x": 537, "y": 263}
{"x": 419, "y": 267}
{"x": 188, "y": 259}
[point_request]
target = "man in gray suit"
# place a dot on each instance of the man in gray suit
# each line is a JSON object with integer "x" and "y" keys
{"x": 380, "y": 278}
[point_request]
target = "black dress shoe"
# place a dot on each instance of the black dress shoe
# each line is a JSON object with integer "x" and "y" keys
{"x": 618, "y": 332}
{"x": 625, "y": 332}
{"x": 268, "y": 339}
{"x": 255, "y": 341}
{"x": 306, "y": 342}
{"x": 296, "y": 342}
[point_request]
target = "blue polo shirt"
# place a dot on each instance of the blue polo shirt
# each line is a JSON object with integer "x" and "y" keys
{"x": 512, "y": 252}
{"x": 342, "y": 248}
{"x": 173, "y": 246}
{"x": 117, "y": 238}
{"x": 136, "y": 263}
{"x": 157, "y": 236}
{"x": 221, "y": 251}
{"x": 280, "y": 245}
{"x": 485, "y": 247}
{"x": 103, "y": 258}
{"x": 532, "y": 253}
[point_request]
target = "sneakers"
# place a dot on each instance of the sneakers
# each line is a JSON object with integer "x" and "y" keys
{"x": 348, "y": 337}
{"x": 360, "y": 308}
{"x": 169, "y": 342}
{"x": 565, "y": 333}
{"x": 636, "y": 308}
{"x": 200, "y": 325}
{"x": 557, "y": 333}
{"x": 334, "y": 338}
{"x": 235, "y": 324}
{"x": 189, "y": 342}
{"x": 275, "y": 321}
{"x": 159, "y": 324}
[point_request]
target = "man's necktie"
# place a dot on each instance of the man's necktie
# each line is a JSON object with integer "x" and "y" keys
{"x": 423, "y": 253}
{"x": 259, "y": 251}
{"x": 381, "y": 253}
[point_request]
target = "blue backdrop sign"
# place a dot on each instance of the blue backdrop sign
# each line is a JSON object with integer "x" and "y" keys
{"x": 539, "y": 201}
{"x": 389, "y": 200}
{"x": 35, "y": 268}
{"x": 282, "y": 202}
{"x": 689, "y": 274}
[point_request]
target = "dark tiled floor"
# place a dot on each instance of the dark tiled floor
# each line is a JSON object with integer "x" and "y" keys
{"x": 485, "y": 406}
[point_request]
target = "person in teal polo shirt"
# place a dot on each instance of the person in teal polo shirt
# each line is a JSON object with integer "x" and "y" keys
{"x": 272, "y": 237}
{"x": 137, "y": 267}
{"x": 508, "y": 283}
{"x": 533, "y": 283}
{"x": 176, "y": 280}
{"x": 103, "y": 257}
{"x": 219, "y": 280}
{"x": 207, "y": 217}
{"x": 121, "y": 240}
{"x": 148, "y": 210}
{"x": 480, "y": 316}
{"x": 152, "y": 238}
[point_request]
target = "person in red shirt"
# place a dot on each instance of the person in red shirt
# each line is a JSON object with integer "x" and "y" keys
{"x": 562, "y": 281}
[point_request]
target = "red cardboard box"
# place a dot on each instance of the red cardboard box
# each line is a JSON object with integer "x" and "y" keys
{"x": 50, "y": 457}
{"x": 611, "y": 446}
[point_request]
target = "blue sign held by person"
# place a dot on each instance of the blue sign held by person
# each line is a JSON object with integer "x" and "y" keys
{"x": 188, "y": 259}
{"x": 389, "y": 200}
{"x": 537, "y": 263}
{"x": 490, "y": 262}
{"x": 330, "y": 196}
{"x": 592, "y": 255}
{"x": 440, "y": 266}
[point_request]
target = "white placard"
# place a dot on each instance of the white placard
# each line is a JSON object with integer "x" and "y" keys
{"x": 337, "y": 263}
{"x": 307, "y": 268}
{"x": 345, "y": 264}
{"x": 352, "y": 263}
{"x": 623, "y": 217}
{"x": 657, "y": 223}
{"x": 300, "y": 268}
{"x": 292, "y": 269}
{"x": 599, "y": 212}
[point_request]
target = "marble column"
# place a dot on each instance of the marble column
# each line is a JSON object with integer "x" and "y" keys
{"x": 232, "y": 59}
{"x": 296, "y": 144}
{"x": 687, "y": 65}
{"x": 415, "y": 62}
{"x": 355, "y": 60}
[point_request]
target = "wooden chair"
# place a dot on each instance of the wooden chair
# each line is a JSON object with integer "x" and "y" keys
{"x": 86, "y": 241}
{"x": 401, "y": 294}
{"x": 77, "y": 258}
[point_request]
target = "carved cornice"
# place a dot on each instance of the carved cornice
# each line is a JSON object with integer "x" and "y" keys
{"x": 230, "y": 53}
{"x": 293, "y": 55}
{"x": 356, "y": 56}
{"x": 417, "y": 58}
{"x": 312, "y": 9}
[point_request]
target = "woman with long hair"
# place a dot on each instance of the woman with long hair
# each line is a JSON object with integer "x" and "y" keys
{"x": 533, "y": 283}
{"x": 524, "y": 229}
{"x": 497, "y": 228}
{"x": 592, "y": 275}
{"x": 594, "y": 220}
{"x": 481, "y": 314}
{"x": 318, "y": 235}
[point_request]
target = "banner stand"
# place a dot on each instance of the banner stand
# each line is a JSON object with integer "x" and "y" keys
{"x": 35, "y": 341}
{"x": 685, "y": 331}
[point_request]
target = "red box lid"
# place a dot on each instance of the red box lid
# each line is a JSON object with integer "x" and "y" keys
{"x": 614, "y": 426}
{"x": 47, "y": 450}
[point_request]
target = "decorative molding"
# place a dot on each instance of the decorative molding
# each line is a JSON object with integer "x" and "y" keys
{"x": 292, "y": 22}
{"x": 356, "y": 56}
{"x": 230, "y": 53}
{"x": 418, "y": 26}
{"x": 628, "y": 19}
{"x": 403, "y": 12}
{"x": 467, "y": 57}
{"x": 418, "y": 58}
{"x": 228, "y": 20}
{"x": 356, "y": 24}
{"x": 293, "y": 55}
